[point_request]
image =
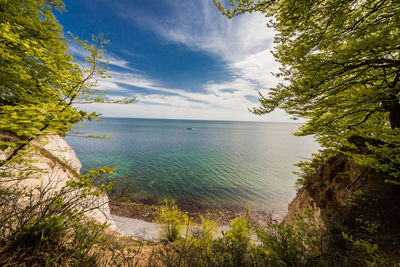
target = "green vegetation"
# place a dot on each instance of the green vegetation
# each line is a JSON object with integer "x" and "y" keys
{"x": 39, "y": 79}
{"x": 45, "y": 224}
{"x": 172, "y": 219}
{"x": 42, "y": 220}
{"x": 246, "y": 243}
{"x": 340, "y": 71}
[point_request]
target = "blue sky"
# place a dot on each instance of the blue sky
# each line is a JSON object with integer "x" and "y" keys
{"x": 181, "y": 59}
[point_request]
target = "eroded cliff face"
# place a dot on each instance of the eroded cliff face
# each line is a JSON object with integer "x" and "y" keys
{"x": 332, "y": 193}
{"x": 52, "y": 163}
{"x": 328, "y": 190}
{"x": 352, "y": 199}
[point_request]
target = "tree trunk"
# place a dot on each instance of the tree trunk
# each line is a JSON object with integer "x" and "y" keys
{"x": 394, "y": 115}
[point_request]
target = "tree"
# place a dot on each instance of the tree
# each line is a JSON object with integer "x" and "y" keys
{"x": 39, "y": 79}
{"x": 340, "y": 71}
{"x": 43, "y": 223}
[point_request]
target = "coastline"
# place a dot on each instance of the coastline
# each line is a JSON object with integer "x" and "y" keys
{"x": 138, "y": 229}
{"x": 145, "y": 212}
{"x": 135, "y": 219}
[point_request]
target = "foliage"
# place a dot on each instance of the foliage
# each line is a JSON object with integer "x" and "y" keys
{"x": 308, "y": 168}
{"x": 172, "y": 219}
{"x": 245, "y": 243}
{"x": 202, "y": 244}
{"x": 44, "y": 226}
{"x": 42, "y": 220}
{"x": 39, "y": 79}
{"x": 374, "y": 239}
{"x": 294, "y": 244}
{"x": 237, "y": 241}
{"x": 370, "y": 249}
{"x": 340, "y": 71}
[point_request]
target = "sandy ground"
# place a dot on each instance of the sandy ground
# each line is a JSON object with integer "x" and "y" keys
{"x": 146, "y": 230}
{"x": 138, "y": 228}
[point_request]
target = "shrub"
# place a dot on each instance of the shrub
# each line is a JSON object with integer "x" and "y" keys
{"x": 42, "y": 220}
{"x": 244, "y": 244}
{"x": 237, "y": 242}
{"x": 172, "y": 219}
{"x": 290, "y": 244}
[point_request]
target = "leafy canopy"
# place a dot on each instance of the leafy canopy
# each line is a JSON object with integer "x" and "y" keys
{"x": 340, "y": 71}
{"x": 39, "y": 79}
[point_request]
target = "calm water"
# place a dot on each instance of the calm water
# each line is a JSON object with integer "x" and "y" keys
{"x": 215, "y": 165}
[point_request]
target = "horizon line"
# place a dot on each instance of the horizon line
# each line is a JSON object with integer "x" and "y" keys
{"x": 113, "y": 117}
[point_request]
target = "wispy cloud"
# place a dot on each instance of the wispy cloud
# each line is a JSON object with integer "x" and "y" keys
{"x": 200, "y": 26}
{"x": 117, "y": 61}
{"x": 111, "y": 59}
{"x": 214, "y": 93}
{"x": 244, "y": 44}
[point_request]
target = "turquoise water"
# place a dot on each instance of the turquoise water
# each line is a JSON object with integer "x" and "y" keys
{"x": 218, "y": 164}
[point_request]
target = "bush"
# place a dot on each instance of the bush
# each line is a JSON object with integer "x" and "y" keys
{"x": 237, "y": 242}
{"x": 42, "y": 220}
{"x": 244, "y": 244}
{"x": 172, "y": 219}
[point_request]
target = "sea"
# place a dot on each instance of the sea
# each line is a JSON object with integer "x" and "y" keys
{"x": 200, "y": 164}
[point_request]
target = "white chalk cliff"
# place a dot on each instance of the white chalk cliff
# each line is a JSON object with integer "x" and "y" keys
{"x": 53, "y": 163}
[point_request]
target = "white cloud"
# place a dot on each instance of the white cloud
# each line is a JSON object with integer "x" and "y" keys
{"x": 200, "y": 26}
{"x": 258, "y": 67}
{"x": 77, "y": 50}
{"x": 147, "y": 110}
{"x": 220, "y": 101}
{"x": 112, "y": 86}
{"x": 137, "y": 80}
{"x": 243, "y": 43}
{"x": 116, "y": 61}
{"x": 214, "y": 93}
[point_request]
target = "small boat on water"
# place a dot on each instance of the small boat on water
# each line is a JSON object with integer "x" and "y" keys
{"x": 190, "y": 129}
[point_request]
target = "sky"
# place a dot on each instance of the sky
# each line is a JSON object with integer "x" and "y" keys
{"x": 181, "y": 59}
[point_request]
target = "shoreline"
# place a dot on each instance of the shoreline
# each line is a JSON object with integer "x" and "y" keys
{"x": 138, "y": 229}
{"x": 145, "y": 212}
